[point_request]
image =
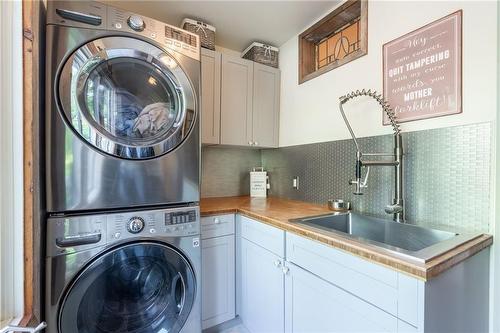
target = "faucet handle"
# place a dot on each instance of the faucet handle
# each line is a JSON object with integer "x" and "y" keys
{"x": 393, "y": 209}
{"x": 364, "y": 183}
{"x": 360, "y": 183}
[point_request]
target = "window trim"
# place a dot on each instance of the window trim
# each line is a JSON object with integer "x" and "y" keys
{"x": 307, "y": 45}
{"x": 11, "y": 177}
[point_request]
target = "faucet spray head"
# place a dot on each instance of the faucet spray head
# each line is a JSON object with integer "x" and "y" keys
{"x": 380, "y": 100}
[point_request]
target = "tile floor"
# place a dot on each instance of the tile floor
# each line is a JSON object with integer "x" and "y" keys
{"x": 232, "y": 326}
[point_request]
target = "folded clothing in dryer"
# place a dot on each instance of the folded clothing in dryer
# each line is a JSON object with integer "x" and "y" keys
{"x": 153, "y": 118}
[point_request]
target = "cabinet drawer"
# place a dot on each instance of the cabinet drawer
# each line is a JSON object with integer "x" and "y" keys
{"x": 373, "y": 283}
{"x": 270, "y": 238}
{"x": 314, "y": 305}
{"x": 217, "y": 225}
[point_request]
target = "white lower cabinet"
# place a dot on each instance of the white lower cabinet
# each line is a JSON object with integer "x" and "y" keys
{"x": 314, "y": 305}
{"x": 319, "y": 288}
{"x": 218, "y": 270}
{"x": 262, "y": 289}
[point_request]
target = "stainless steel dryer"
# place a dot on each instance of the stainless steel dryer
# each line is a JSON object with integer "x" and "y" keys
{"x": 124, "y": 272}
{"x": 122, "y": 109}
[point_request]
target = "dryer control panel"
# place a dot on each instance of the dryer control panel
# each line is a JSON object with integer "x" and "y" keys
{"x": 77, "y": 233}
{"x": 171, "y": 37}
{"x": 98, "y": 16}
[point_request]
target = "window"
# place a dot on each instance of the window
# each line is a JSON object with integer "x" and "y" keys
{"x": 338, "y": 38}
{"x": 11, "y": 180}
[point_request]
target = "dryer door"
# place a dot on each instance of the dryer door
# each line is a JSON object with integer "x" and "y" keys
{"x": 141, "y": 287}
{"x": 126, "y": 97}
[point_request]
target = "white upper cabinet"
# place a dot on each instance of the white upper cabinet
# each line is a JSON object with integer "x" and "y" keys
{"x": 266, "y": 104}
{"x": 210, "y": 96}
{"x": 250, "y": 97}
{"x": 236, "y": 101}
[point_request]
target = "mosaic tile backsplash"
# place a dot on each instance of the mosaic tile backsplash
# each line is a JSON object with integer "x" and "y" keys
{"x": 225, "y": 171}
{"x": 447, "y": 175}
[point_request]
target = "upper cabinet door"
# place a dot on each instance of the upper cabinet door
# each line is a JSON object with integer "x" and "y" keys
{"x": 266, "y": 104}
{"x": 210, "y": 96}
{"x": 236, "y": 101}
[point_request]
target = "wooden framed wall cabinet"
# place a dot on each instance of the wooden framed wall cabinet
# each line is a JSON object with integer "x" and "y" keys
{"x": 338, "y": 38}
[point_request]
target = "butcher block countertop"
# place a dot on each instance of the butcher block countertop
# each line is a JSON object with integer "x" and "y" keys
{"x": 277, "y": 212}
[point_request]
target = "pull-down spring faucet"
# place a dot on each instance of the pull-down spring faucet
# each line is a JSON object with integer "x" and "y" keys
{"x": 397, "y": 206}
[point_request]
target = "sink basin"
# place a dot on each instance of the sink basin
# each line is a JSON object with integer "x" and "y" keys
{"x": 414, "y": 242}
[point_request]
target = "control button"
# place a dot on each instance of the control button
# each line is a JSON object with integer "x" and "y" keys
{"x": 153, "y": 35}
{"x": 184, "y": 46}
{"x": 118, "y": 25}
{"x": 177, "y": 44}
{"x": 168, "y": 41}
{"x": 136, "y": 23}
{"x": 135, "y": 225}
{"x": 152, "y": 231}
{"x": 118, "y": 235}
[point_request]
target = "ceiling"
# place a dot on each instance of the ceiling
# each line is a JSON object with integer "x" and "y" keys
{"x": 238, "y": 23}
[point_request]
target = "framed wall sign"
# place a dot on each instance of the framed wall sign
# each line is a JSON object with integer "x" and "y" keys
{"x": 423, "y": 71}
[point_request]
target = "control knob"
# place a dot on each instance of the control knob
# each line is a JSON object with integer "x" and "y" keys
{"x": 136, "y": 23}
{"x": 135, "y": 225}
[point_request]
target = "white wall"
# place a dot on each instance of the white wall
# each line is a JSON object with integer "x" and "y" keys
{"x": 495, "y": 275}
{"x": 309, "y": 112}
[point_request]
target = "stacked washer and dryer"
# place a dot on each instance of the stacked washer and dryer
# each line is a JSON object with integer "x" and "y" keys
{"x": 122, "y": 172}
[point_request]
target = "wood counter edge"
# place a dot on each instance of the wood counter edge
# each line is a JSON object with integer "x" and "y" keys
{"x": 423, "y": 272}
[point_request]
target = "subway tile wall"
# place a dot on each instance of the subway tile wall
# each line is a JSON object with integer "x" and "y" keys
{"x": 447, "y": 175}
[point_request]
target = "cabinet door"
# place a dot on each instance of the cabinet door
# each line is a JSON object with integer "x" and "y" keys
{"x": 210, "y": 96}
{"x": 218, "y": 289}
{"x": 266, "y": 104}
{"x": 314, "y": 305}
{"x": 236, "y": 101}
{"x": 262, "y": 289}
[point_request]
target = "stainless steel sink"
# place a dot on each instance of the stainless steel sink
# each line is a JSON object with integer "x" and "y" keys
{"x": 411, "y": 241}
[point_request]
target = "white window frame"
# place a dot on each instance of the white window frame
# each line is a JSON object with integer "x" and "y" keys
{"x": 11, "y": 163}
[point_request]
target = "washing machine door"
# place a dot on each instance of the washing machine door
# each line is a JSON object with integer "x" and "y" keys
{"x": 141, "y": 288}
{"x": 126, "y": 97}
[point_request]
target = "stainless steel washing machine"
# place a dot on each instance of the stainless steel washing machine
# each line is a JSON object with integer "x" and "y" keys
{"x": 122, "y": 109}
{"x": 124, "y": 272}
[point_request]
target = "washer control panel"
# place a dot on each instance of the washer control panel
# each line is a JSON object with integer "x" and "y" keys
{"x": 77, "y": 233}
{"x": 175, "y": 222}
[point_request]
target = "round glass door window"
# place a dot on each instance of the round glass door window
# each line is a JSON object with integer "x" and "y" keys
{"x": 131, "y": 100}
{"x": 126, "y": 98}
{"x": 139, "y": 288}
